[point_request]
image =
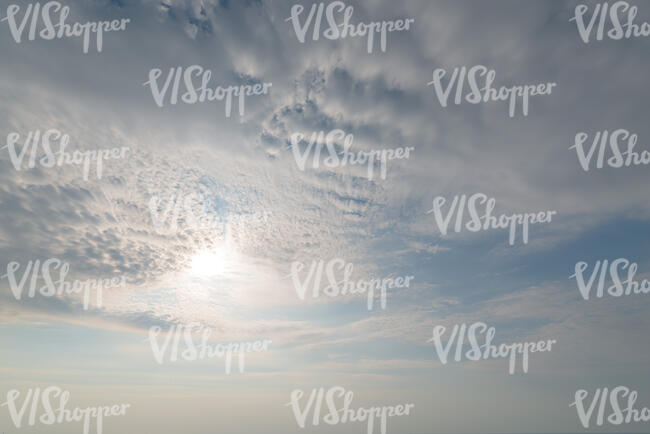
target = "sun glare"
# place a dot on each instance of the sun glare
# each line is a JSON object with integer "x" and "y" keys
{"x": 213, "y": 262}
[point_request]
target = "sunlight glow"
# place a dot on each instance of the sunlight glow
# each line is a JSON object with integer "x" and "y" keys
{"x": 213, "y": 262}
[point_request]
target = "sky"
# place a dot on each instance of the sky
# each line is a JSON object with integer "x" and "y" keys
{"x": 259, "y": 213}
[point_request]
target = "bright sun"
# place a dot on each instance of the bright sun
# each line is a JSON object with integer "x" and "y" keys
{"x": 213, "y": 262}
